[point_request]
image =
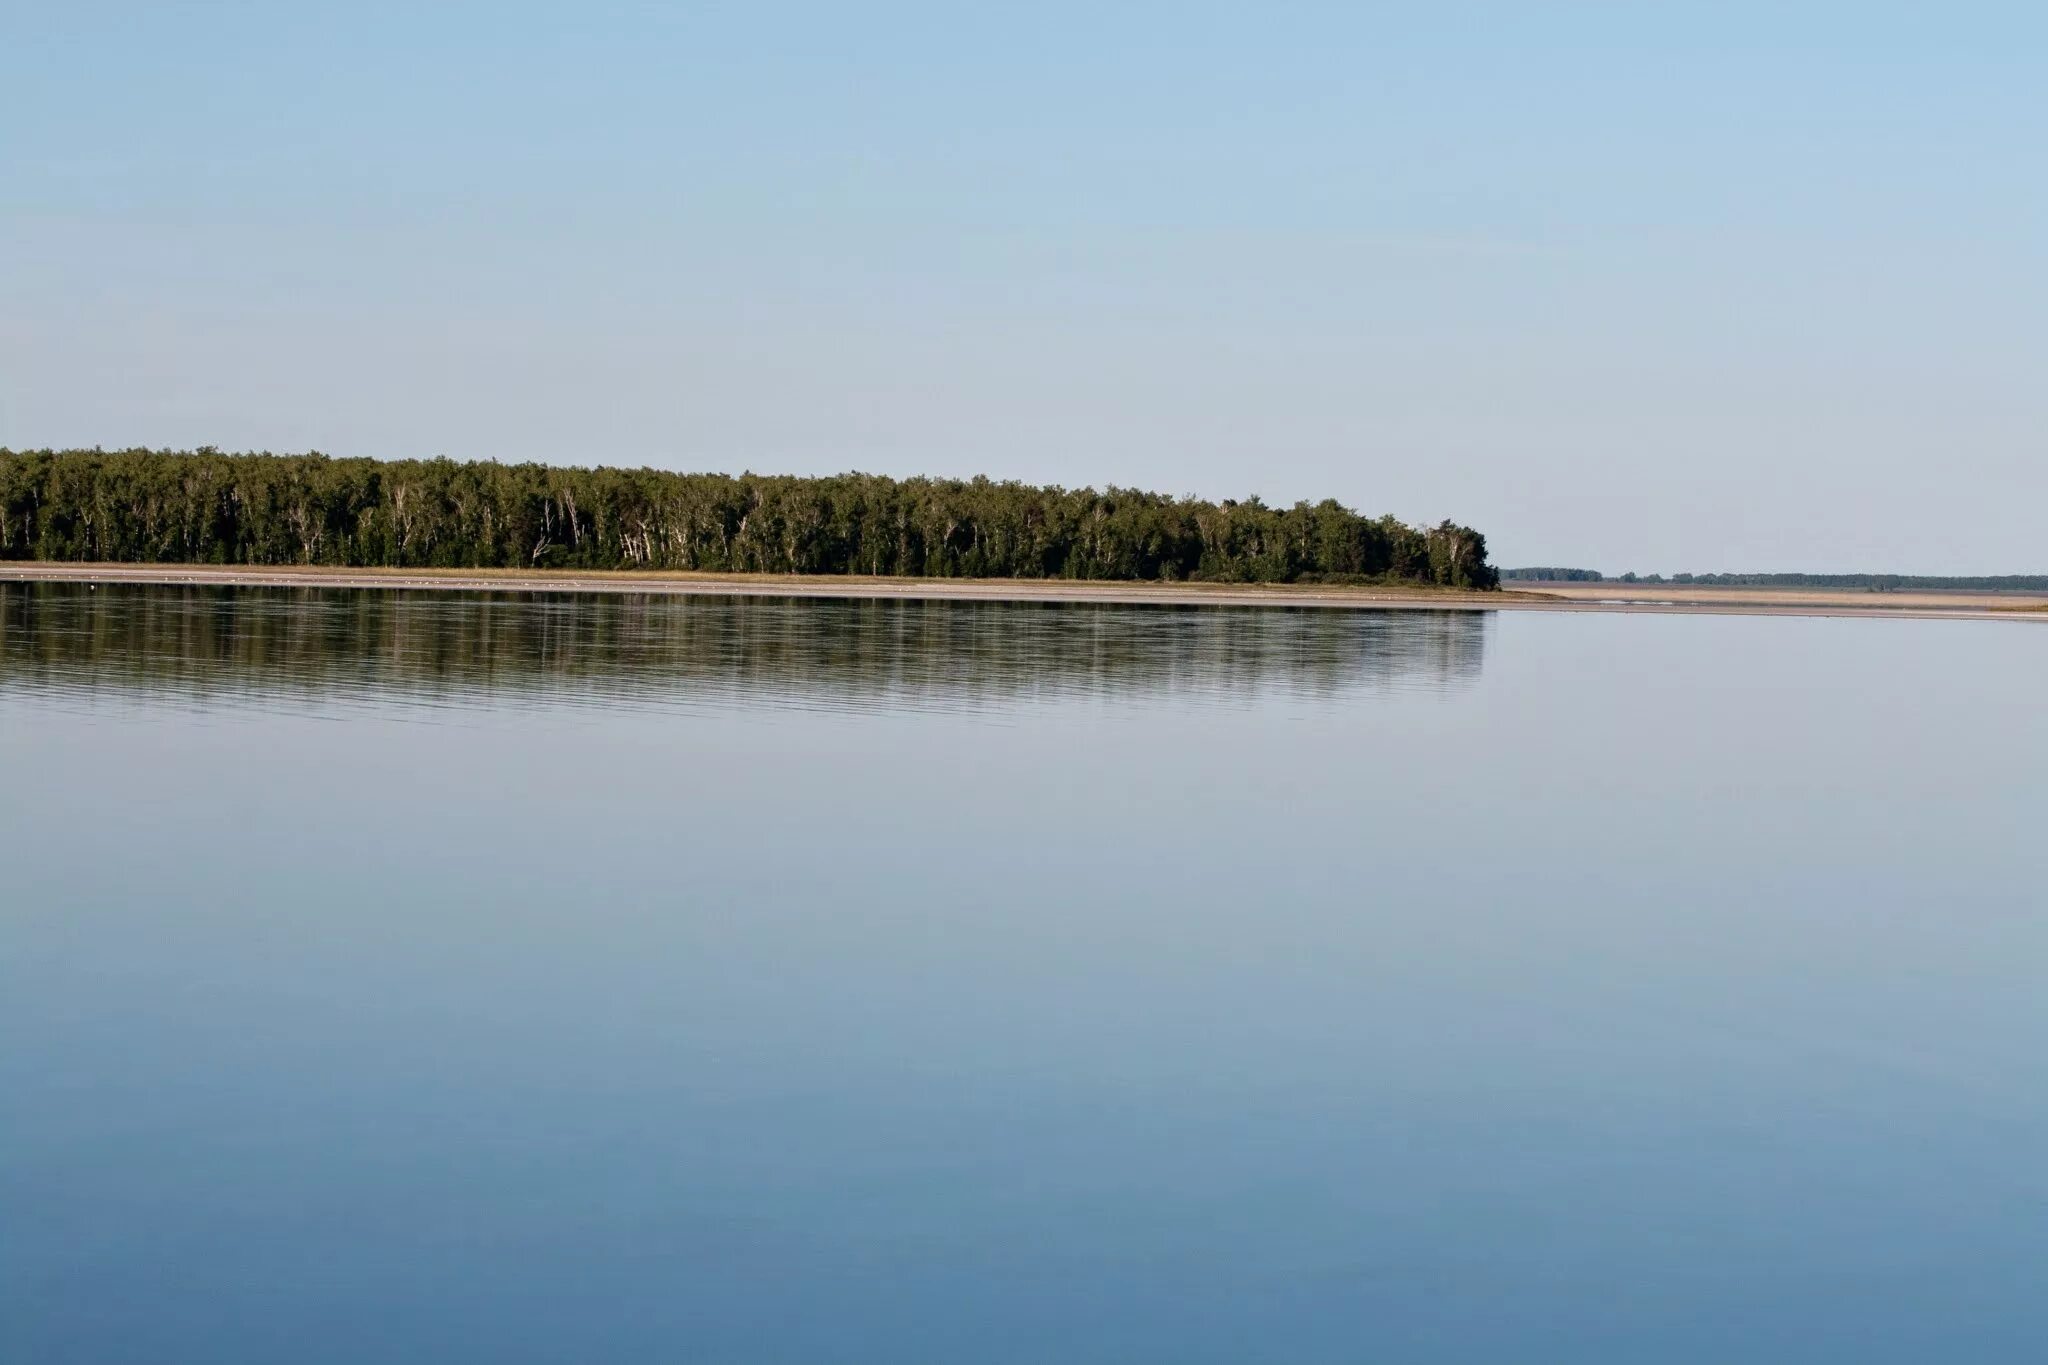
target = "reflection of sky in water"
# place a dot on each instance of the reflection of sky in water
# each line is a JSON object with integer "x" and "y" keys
{"x": 1666, "y": 989}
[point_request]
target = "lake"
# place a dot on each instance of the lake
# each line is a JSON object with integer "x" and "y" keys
{"x": 434, "y": 977}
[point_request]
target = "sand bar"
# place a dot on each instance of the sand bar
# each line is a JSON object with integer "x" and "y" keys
{"x": 1608, "y": 597}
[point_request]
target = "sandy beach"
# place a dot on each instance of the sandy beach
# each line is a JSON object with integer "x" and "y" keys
{"x": 1607, "y": 597}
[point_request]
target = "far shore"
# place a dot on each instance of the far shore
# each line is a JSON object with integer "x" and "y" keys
{"x": 1607, "y": 597}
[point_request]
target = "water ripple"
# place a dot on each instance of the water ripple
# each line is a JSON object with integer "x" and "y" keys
{"x": 333, "y": 651}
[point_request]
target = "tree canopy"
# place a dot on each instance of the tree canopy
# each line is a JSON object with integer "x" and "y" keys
{"x": 141, "y": 506}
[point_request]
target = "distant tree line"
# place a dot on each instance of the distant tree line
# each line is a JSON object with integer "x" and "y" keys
{"x": 206, "y": 507}
{"x": 1869, "y": 582}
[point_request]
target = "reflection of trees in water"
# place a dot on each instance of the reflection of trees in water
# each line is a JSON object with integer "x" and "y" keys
{"x": 605, "y": 648}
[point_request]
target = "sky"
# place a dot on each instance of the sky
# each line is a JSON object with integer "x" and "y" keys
{"x": 1655, "y": 287}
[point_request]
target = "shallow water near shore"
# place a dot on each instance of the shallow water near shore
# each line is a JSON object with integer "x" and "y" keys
{"x": 416, "y": 976}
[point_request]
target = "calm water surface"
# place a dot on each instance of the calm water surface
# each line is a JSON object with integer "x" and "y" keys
{"x": 441, "y": 978}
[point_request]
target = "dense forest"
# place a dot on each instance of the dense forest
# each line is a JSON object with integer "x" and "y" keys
{"x": 205, "y": 507}
{"x": 1868, "y": 582}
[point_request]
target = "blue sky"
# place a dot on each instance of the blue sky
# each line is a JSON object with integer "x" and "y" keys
{"x": 1654, "y": 287}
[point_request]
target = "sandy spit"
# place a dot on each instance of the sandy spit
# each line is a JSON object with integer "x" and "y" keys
{"x": 1610, "y": 597}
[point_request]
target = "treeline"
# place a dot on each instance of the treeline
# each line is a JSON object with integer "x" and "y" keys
{"x": 1551, "y": 575}
{"x": 205, "y": 507}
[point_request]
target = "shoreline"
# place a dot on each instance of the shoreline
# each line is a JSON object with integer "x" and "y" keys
{"x": 1624, "y": 598}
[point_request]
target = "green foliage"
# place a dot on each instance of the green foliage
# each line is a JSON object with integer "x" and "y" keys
{"x": 139, "y": 506}
{"x": 1550, "y": 575}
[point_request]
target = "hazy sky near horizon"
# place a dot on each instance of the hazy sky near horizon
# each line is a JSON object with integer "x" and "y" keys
{"x": 1733, "y": 286}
